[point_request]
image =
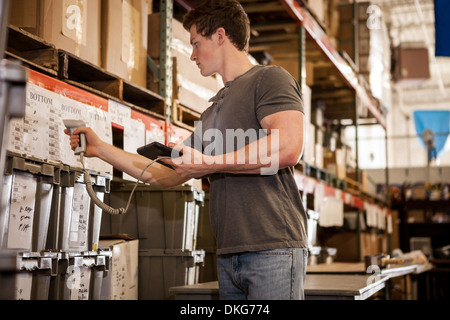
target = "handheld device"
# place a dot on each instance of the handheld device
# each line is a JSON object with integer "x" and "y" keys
{"x": 155, "y": 149}
{"x": 71, "y": 125}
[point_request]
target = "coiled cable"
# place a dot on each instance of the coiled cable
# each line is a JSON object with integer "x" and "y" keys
{"x": 97, "y": 201}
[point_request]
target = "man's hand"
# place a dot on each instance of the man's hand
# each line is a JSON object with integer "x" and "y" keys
{"x": 92, "y": 140}
{"x": 192, "y": 164}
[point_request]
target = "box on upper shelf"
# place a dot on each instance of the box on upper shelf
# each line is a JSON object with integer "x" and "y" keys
{"x": 363, "y": 179}
{"x": 124, "y": 39}
{"x": 70, "y": 25}
{"x": 411, "y": 64}
{"x": 334, "y": 162}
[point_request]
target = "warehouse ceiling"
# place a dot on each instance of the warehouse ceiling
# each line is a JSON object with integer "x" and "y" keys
{"x": 412, "y": 22}
{"x": 274, "y": 35}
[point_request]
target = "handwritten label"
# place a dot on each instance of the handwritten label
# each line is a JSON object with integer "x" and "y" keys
{"x": 78, "y": 233}
{"x": 120, "y": 114}
{"x": 24, "y": 281}
{"x": 22, "y": 211}
{"x": 79, "y": 283}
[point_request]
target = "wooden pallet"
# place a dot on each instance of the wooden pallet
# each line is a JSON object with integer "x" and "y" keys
{"x": 183, "y": 116}
{"x": 353, "y": 186}
{"x": 337, "y": 183}
{"x": 32, "y": 51}
{"x": 317, "y": 173}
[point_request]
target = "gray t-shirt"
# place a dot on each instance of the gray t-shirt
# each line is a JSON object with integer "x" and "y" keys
{"x": 251, "y": 212}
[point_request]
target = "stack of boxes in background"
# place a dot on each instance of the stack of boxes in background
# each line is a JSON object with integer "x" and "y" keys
{"x": 337, "y": 19}
{"x": 124, "y": 36}
{"x": 374, "y": 52}
{"x": 107, "y": 33}
{"x": 71, "y": 25}
{"x": 327, "y": 14}
{"x": 118, "y": 36}
{"x": 346, "y": 40}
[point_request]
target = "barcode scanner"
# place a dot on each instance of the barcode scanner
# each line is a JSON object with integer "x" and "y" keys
{"x": 71, "y": 125}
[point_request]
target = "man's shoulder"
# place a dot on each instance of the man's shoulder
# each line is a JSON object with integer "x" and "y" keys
{"x": 274, "y": 72}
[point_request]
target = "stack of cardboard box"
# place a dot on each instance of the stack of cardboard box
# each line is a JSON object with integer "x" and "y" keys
{"x": 70, "y": 25}
{"x": 327, "y": 13}
{"x": 373, "y": 44}
{"x": 110, "y": 34}
{"x": 124, "y": 39}
{"x": 346, "y": 38}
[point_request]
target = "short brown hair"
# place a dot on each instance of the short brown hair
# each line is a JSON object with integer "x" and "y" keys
{"x": 215, "y": 14}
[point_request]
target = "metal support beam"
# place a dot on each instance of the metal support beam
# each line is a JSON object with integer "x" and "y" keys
{"x": 4, "y": 14}
{"x": 301, "y": 57}
{"x": 355, "y": 121}
{"x": 153, "y": 66}
{"x": 166, "y": 64}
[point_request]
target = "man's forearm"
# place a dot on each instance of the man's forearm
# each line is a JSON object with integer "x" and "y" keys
{"x": 263, "y": 156}
{"x": 134, "y": 164}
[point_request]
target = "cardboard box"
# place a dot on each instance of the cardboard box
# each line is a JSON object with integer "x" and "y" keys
{"x": 190, "y": 88}
{"x": 346, "y": 245}
{"x": 318, "y": 155}
{"x": 121, "y": 283}
{"x": 363, "y": 179}
{"x": 124, "y": 39}
{"x": 334, "y": 162}
{"x": 289, "y": 64}
{"x": 292, "y": 66}
{"x": 154, "y": 31}
{"x": 411, "y": 64}
{"x": 310, "y": 144}
{"x": 70, "y": 25}
{"x": 319, "y": 8}
{"x": 346, "y": 31}
{"x": 309, "y": 73}
{"x": 346, "y": 11}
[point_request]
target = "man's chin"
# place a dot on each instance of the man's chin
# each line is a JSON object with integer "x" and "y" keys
{"x": 206, "y": 73}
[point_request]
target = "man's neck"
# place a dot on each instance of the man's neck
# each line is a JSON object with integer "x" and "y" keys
{"x": 236, "y": 64}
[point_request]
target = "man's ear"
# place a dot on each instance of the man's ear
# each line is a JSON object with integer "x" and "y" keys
{"x": 221, "y": 34}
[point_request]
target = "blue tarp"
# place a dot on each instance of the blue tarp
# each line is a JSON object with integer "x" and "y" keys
{"x": 442, "y": 26}
{"x": 436, "y": 121}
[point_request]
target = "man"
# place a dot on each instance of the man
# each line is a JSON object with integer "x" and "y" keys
{"x": 256, "y": 212}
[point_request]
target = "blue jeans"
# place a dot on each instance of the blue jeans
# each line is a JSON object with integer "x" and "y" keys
{"x": 264, "y": 275}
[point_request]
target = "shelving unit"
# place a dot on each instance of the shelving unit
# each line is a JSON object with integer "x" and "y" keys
{"x": 345, "y": 93}
{"x": 45, "y": 58}
{"x": 422, "y": 224}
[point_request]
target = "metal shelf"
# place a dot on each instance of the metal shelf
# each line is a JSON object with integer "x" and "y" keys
{"x": 343, "y": 68}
